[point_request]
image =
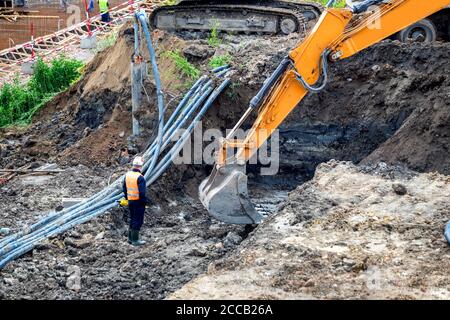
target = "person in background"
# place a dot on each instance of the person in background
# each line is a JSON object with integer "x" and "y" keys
{"x": 104, "y": 10}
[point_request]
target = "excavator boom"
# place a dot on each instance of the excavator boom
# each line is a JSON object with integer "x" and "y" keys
{"x": 339, "y": 33}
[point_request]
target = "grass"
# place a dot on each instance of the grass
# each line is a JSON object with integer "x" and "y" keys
{"x": 19, "y": 102}
{"x": 219, "y": 61}
{"x": 338, "y": 3}
{"x": 169, "y": 2}
{"x": 232, "y": 92}
{"x": 183, "y": 65}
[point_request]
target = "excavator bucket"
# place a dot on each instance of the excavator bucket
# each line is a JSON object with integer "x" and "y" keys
{"x": 224, "y": 194}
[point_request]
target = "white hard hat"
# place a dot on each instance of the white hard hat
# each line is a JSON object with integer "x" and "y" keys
{"x": 138, "y": 161}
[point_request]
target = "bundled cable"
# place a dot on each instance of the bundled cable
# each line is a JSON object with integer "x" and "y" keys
{"x": 186, "y": 115}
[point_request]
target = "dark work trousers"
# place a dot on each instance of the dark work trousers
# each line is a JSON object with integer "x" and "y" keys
{"x": 137, "y": 211}
{"x": 105, "y": 17}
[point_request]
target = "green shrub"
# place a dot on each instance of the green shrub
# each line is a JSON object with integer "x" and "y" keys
{"x": 182, "y": 64}
{"x": 213, "y": 39}
{"x": 219, "y": 61}
{"x": 169, "y": 2}
{"x": 18, "y": 102}
{"x": 338, "y": 3}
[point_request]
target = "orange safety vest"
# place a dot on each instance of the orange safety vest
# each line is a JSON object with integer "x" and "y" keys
{"x": 131, "y": 180}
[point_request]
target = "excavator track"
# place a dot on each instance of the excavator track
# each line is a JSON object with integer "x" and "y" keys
{"x": 262, "y": 17}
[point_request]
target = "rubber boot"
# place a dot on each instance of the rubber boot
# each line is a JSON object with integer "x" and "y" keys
{"x": 135, "y": 239}
{"x": 130, "y": 238}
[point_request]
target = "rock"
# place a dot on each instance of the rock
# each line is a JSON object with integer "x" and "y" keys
{"x": 100, "y": 236}
{"x": 399, "y": 189}
{"x": 122, "y": 134}
{"x": 217, "y": 231}
{"x": 5, "y": 231}
{"x": 72, "y": 252}
{"x": 199, "y": 252}
{"x": 132, "y": 148}
{"x": 348, "y": 262}
{"x": 232, "y": 239}
{"x": 43, "y": 246}
{"x": 29, "y": 142}
{"x": 376, "y": 68}
{"x": 198, "y": 51}
{"x": 34, "y": 165}
{"x": 186, "y": 216}
{"x": 309, "y": 283}
{"x": 218, "y": 245}
{"x": 10, "y": 281}
{"x": 86, "y": 132}
{"x": 69, "y": 242}
{"x": 80, "y": 244}
{"x": 74, "y": 280}
{"x": 74, "y": 234}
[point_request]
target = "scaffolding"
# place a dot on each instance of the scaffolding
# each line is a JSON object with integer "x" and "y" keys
{"x": 52, "y": 43}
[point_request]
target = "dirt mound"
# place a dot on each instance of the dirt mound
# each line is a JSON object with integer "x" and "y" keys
{"x": 368, "y": 232}
{"x": 392, "y": 95}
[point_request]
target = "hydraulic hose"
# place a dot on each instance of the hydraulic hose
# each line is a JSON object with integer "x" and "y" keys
{"x": 447, "y": 232}
{"x": 269, "y": 83}
{"x": 316, "y": 88}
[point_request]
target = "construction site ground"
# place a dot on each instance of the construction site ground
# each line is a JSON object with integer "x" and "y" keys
{"x": 368, "y": 224}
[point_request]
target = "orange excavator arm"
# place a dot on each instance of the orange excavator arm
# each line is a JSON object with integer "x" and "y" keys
{"x": 337, "y": 35}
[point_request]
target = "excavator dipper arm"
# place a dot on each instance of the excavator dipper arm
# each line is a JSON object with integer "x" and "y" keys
{"x": 336, "y": 36}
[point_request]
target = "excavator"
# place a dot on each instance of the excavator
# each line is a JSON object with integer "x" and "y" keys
{"x": 337, "y": 35}
{"x": 273, "y": 17}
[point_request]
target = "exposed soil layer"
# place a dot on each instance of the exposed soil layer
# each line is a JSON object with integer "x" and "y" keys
{"x": 389, "y": 103}
{"x": 378, "y": 104}
{"x": 369, "y": 232}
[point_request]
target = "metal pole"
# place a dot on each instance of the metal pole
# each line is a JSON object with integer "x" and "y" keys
{"x": 137, "y": 72}
{"x": 33, "y": 54}
{"x": 86, "y": 9}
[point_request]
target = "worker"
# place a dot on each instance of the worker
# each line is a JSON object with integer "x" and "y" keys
{"x": 104, "y": 9}
{"x": 134, "y": 188}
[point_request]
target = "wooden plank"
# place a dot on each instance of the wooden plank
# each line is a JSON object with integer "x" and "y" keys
{"x": 31, "y": 171}
{"x": 15, "y": 16}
